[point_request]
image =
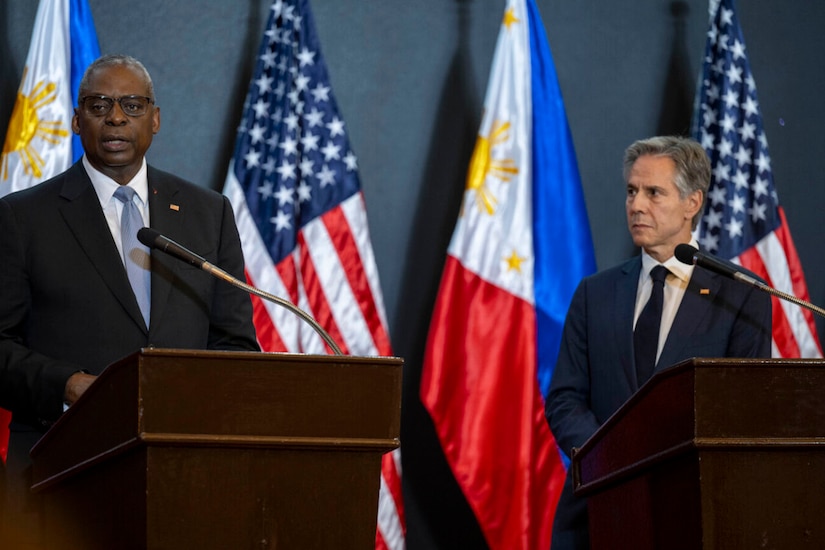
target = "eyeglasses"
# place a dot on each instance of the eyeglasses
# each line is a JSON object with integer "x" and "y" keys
{"x": 101, "y": 105}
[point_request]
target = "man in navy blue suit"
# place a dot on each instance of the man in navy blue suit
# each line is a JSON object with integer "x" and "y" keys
{"x": 69, "y": 307}
{"x": 700, "y": 313}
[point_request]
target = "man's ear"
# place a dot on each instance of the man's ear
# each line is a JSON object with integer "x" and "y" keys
{"x": 156, "y": 120}
{"x": 694, "y": 202}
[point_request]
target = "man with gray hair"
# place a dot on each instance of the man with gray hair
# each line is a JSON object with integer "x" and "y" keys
{"x": 79, "y": 292}
{"x": 630, "y": 321}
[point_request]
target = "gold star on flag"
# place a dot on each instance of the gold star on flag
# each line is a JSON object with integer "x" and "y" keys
{"x": 514, "y": 262}
{"x": 510, "y": 18}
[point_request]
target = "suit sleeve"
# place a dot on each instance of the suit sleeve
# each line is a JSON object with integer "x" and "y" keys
{"x": 568, "y": 402}
{"x": 31, "y": 384}
{"x": 230, "y": 323}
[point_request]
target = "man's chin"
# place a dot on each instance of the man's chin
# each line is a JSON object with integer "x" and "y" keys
{"x": 114, "y": 162}
{"x": 639, "y": 239}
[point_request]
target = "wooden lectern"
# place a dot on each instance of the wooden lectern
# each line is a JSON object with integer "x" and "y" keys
{"x": 717, "y": 454}
{"x": 173, "y": 449}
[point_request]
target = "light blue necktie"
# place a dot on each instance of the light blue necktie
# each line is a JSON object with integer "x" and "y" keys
{"x": 133, "y": 250}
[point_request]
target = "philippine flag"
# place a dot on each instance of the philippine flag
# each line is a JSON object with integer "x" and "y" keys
{"x": 520, "y": 247}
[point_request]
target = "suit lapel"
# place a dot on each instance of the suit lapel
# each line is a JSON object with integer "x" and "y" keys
{"x": 85, "y": 220}
{"x": 166, "y": 218}
{"x": 625, "y": 305}
{"x": 699, "y": 295}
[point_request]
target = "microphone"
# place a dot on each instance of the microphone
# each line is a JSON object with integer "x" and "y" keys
{"x": 153, "y": 239}
{"x": 692, "y": 256}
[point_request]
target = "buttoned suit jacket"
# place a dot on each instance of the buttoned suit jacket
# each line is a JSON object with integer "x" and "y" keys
{"x": 67, "y": 302}
{"x": 595, "y": 373}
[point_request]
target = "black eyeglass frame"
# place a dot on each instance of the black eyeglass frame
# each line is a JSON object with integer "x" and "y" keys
{"x": 110, "y": 101}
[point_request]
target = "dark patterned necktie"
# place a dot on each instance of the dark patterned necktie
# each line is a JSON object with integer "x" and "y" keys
{"x": 646, "y": 333}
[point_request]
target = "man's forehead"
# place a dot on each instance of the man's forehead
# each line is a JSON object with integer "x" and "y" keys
{"x": 644, "y": 183}
{"x": 117, "y": 75}
{"x": 649, "y": 171}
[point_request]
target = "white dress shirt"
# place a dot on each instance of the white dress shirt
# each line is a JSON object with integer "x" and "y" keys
{"x": 105, "y": 188}
{"x": 675, "y": 285}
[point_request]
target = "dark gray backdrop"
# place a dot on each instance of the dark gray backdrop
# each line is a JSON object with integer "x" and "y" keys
{"x": 410, "y": 78}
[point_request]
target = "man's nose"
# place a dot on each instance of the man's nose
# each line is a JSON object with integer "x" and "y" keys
{"x": 116, "y": 115}
{"x": 636, "y": 202}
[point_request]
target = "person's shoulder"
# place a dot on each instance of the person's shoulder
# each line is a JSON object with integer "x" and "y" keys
{"x": 38, "y": 194}
{"x": 156, "y": 176}
{"x": 172, "y": 183}
{"x": 627, "y": 267}
{"x": 604, "y": 282}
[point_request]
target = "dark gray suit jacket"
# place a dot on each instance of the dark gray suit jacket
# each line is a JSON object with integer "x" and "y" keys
{"x": 67, "y": 303}
{"x": 595, "y": 372}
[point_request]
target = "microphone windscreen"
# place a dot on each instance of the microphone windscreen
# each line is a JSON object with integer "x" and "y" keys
{"x": 685, "y": 253}
{"x": 148, "y": 236}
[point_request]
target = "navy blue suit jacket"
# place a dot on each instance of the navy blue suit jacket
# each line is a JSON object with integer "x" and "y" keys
{"x": 595, "y": 372}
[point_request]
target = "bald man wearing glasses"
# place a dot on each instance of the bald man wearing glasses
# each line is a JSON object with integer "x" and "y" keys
{"x": 79, "y": 293}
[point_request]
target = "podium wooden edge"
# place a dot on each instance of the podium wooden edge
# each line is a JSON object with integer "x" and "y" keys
{"x": 175, "y": 352}
{"x": 584, "y": 489}
{"x": 222, "y": 441}
{"x": 156, "y": 439}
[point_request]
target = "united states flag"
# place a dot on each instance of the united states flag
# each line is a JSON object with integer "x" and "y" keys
{"x": 293, "y": 182}
{"x": 743, "y": 220}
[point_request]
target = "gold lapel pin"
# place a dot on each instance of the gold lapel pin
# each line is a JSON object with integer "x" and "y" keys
{"x": 704, "y": 291}
{"x": 174, "y": 207}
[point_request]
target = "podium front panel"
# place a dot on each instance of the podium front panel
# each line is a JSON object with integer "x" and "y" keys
{"x": 722, "y": 454}
{"x": 216, "y": 450}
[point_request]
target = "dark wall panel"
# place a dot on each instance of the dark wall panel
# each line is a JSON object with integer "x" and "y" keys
{"x": 410, "y": 78}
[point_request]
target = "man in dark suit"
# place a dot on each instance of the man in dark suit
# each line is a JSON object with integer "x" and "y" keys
{"x": 69, "y": 308}
{"x": 601, "y": 360}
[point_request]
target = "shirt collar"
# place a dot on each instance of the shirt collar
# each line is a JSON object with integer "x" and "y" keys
{"x": 105, "y": 186}
{"x": 677, "y": 268}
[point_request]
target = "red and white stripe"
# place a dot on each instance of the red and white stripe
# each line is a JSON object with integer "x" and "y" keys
{"x": 392, "y": 530}
{"x": 331, "y": 275}
{"x": 774, "y": 258}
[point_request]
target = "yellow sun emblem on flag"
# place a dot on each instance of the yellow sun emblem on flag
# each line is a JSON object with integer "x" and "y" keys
{"x": 25, "y": 125}
{"x": 482, "y": 164}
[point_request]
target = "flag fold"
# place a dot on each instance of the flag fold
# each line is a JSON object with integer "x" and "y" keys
{"x": 520, "y": 247}
{"x": 39, "y": 142}
{"x": 743, "y": 221}
{"x": 293, "y": 183}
